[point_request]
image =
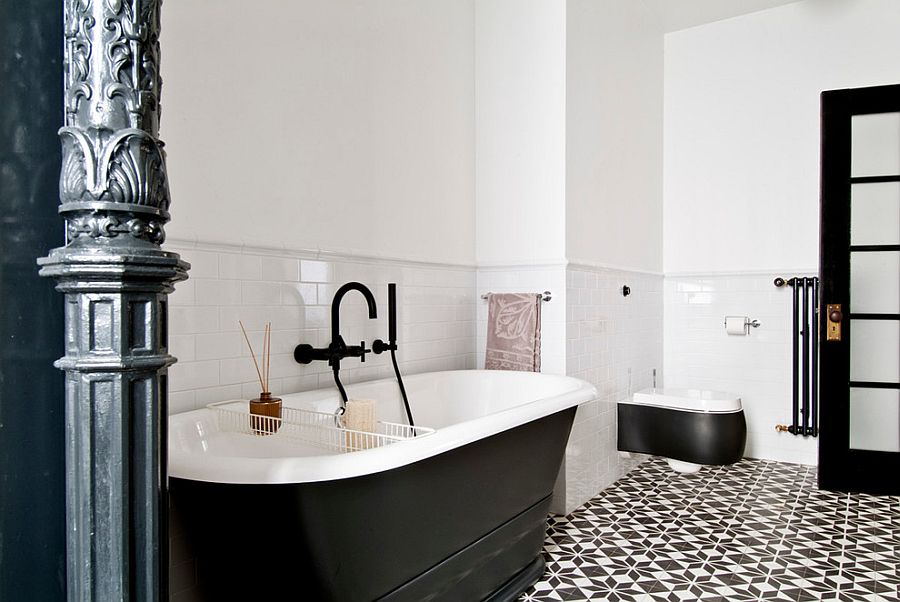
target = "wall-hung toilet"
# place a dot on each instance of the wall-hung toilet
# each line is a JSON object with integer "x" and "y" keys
{"x": 688, "y": 427}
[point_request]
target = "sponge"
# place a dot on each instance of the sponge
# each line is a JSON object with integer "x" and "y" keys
{"x": 359, "y": 416}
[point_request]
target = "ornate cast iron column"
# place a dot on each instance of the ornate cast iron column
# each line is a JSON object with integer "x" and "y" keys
{"x": 115, "y": 199}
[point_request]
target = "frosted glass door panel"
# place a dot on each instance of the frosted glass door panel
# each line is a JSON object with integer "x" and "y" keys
{"x": 875, "y": 419}
{"x": 874, "y": 352}
{"x": 859, "y": 253}
{"x": 875, "y": 282}
{"x": 875, "y": 214}
{"x": 875, "y": 145}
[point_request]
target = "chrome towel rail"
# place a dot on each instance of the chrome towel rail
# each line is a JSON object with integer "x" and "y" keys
{"x": 545, "y": 296}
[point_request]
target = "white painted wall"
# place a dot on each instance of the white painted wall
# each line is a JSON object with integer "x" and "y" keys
{"x": 614, "y": 111}
{"x": 742, "y": 128}
{"x": 339, "y": 124}
{"x": 520, "y": 131}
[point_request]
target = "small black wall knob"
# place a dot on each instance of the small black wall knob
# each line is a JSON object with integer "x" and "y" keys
{"x": 626, "y": 290}
{"x": 380, "y": 346}
{"x": 303, "y": 353}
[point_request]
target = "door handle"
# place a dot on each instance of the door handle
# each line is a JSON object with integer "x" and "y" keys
{"x": 835, "y": 316}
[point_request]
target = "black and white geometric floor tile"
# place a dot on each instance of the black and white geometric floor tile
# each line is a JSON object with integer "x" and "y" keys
{"x": 755, "y": 530}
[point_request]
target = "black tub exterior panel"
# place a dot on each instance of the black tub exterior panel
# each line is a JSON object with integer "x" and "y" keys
{"x": 697, "y": 437}
{"x": 458, "y": 525}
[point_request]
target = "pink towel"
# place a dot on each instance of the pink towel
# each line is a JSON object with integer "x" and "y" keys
{"x": 514, "y": 332}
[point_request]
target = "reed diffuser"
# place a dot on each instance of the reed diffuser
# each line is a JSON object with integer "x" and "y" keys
{"x": 265, "y": 410}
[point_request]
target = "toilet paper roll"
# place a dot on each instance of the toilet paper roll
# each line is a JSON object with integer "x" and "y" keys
{"x": 736, "y": 325}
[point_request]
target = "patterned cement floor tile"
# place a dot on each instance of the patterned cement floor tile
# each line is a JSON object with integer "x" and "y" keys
{"x": 755, "y": 530}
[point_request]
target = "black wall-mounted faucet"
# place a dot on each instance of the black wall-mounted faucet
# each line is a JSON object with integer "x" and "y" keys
{"x": 338, "y": 349}
{"x": 336, "y": 338}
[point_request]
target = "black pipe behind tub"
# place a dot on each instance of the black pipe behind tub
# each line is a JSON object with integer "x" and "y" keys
{"x": 805, "y": 350}
{"x": 814, "y": 418}
{"x": 795, "y": 393}
{"x": 805, "y": 356}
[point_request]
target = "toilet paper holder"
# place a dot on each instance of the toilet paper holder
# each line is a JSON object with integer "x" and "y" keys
{"x": 746, "y": 322}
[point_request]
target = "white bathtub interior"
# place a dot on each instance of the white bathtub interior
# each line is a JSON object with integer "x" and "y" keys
{"x": 462, "y": 406}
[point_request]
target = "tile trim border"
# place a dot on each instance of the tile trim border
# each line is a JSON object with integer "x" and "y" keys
{"x": 733, "y": 273}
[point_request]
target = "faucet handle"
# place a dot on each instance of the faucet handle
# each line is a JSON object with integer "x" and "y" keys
{"x": 363, "y": 351}
{"x": 379, "y": 346}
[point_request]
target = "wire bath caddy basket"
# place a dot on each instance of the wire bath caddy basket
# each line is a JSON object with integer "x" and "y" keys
{"x": 320, "y": 429}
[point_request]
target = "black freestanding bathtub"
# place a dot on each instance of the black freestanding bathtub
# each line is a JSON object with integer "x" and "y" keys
{"x": 459, "y": 514}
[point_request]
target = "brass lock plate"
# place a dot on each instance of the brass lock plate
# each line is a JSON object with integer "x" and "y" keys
{"x": 834, "y": 314}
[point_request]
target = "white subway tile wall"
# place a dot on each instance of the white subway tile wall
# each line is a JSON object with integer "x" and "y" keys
{"x": 757, "y": 367}
{"x": 615, "y": 343}
{"x": 435, "y": 315}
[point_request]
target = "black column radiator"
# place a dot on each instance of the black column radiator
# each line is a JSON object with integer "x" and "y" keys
{"x": 805, "y": 346}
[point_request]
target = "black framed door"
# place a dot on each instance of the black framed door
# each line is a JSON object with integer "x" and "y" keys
{"x": 859, "y": 446}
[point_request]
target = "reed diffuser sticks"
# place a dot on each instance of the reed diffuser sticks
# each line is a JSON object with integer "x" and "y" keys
{"x": 265, "y": 410}
{"x": 266, "y": 355}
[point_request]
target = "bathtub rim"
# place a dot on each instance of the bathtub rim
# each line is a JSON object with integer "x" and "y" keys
{"x": 301, "y": 469}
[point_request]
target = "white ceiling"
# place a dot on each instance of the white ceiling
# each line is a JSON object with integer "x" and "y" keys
{"x": 681, "y": 14}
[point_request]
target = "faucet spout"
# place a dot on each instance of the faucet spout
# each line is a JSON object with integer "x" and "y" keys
{"x": 336, "y": 306}
{"x": 338, "y": 350}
